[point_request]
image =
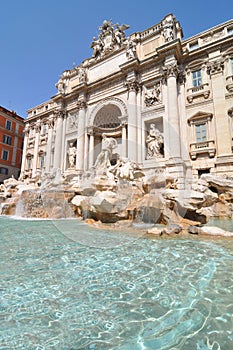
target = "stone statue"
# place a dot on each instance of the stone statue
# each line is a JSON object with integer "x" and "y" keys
{"x": 111, "y": 37}
{"x": 72, "y": 155}
{"x": 154, "y": 143}
{"x": 168, "y": 32}
{"x": 120, "y": 34}
{"x": 60, "y": 86}
{"x": 125, "y": 169}
{"x": 152, "y": 96}
{"x": 97, "y": 47}
{"x": 82, "y": 75}
{"x": 104, "y": 157}
{"x": 131, "y": 49}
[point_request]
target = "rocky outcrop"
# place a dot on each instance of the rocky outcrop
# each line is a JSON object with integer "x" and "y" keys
{"x": 121, "y": 192}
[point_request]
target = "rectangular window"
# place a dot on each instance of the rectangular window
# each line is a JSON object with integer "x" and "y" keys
{"x": 230, "y": 31}
{"x": 29, "y": 163}
{"x": 41, "y": 161}
{"x": 197, "y": 81}
{"x": 8, "y": 125}
{"x": 5, "y": 154}
{"x": 7, "y": 139}
{"x": 3, "y": 171}
{"x": 193, "y": 46}
{"x": 201, "y": 132}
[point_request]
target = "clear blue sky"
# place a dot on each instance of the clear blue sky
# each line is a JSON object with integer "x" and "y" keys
{"x": 39, "y": 39}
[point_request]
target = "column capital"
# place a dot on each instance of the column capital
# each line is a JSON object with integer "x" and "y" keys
{"x": 181, "y": 76}
{"x": 50, "y": 122}
{"x": 124, "y": 120}
{"x": 26, "y": 130}
{"x": 170, "y": 70}
{"x": 215, "y": 67}
{"x": 133, "y": 85}
{"x": 59, "y": 113}
{"x": 81, "y": 104}
{"x": 38, "y": 126}
{"x": 90, "y": 130}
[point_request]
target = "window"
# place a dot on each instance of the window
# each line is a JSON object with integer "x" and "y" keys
{"x": 29, "y": 163}
{"x": 232, "y": 66}
{"x": 193, "y": 46}
{"x": 44, "y": 129}
{"x": 201, "y": 132}
{"x": 197, "y": 81}
{"x": 203, "y": 171}
{"x": 5, "y": 154}
{"x": 8, "y": 125}
{"x": 41, "y": 161}
{"x": 230, "y": 31}
{"x": 7, "y": 139}
{"x": 3, "y": 171}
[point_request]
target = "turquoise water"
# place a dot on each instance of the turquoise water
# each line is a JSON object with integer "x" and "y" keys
{"x": 67, "y": 286}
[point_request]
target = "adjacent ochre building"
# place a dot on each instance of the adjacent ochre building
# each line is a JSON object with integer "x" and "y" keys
{"x": 167, "y": 102}
{"x": 11, "y": 144}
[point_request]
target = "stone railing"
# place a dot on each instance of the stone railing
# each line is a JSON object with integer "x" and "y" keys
{"x": 198, "y": 91}
{"x": 207, "y": 147}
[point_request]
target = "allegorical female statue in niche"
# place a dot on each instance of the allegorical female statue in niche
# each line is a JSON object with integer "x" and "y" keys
{"x": 154, "y": 143}
{"x": 72, "y": 155}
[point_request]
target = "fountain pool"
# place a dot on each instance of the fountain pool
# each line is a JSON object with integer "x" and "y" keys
{"x": 68, "y": 286}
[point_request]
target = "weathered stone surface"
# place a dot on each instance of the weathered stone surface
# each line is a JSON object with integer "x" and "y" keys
{"x": 214, "y": 231}
{"x": 78, "y": 200}
{"x": 194, "y": 230}
{"x": 155, "y": 231}
{"x": 171, "y": 230}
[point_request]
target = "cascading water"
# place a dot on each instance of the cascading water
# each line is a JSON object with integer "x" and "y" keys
{"x": 43, "y": 204}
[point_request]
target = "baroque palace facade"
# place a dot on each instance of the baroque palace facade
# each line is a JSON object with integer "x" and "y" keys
{"x": 167, "y": 102}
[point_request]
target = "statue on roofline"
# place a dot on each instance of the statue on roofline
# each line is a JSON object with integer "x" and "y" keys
{"x": 111, "y": 37}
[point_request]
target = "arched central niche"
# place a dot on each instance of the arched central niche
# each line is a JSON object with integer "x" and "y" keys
{"x": 107, "y": 117}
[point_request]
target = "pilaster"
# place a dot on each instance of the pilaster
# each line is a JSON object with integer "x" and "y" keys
{"x": 49, "y": 144}
{"x": 223, "y": 137}
{"x": 59, "y": 114}
{"x": 25, "y": 145}
{"x": 36, "y": 148}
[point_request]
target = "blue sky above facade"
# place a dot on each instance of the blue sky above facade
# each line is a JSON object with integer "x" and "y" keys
{"x": 39, "y": 39}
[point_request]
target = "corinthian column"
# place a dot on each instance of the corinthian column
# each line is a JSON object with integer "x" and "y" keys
{"x": 133, "y": 87}
{"x": 91, "y": 147}
{"x": 171, "y": 73}
{"x": 49, "y": 145}
{"x": 36, "y": 147}
{"x": 58, "y": 139}
{"x": 25, "y": 144}
{"x": 81, "y": 135}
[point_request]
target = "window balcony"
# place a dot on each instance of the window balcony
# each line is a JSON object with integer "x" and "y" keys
{"x": 43, "y": 138}
{"x": 31, "y": 141}
{"x": 198, "y": 91}
{"x": 202, "y": 148}
{"x": 229, "y": 83}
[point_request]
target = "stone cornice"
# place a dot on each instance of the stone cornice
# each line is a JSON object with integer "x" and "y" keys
{"x": 171, "y": 48}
